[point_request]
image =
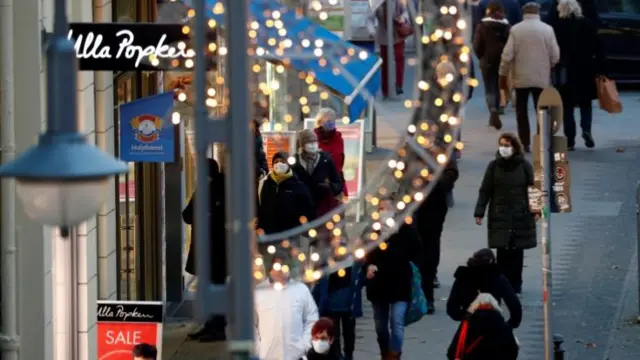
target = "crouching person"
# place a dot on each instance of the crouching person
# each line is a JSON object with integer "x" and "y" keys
{"x": 484, "y": 334}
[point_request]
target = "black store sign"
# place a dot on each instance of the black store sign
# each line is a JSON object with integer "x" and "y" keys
{"x": 130, "y": 312}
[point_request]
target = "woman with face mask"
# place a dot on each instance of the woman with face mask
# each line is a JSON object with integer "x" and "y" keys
{"x": 330, "y": 141}
{"x": 322, "y": 336}
{"x": 284, "y": 201}
{"x": 505, "y": 191}
{"x": 316, "y": 170}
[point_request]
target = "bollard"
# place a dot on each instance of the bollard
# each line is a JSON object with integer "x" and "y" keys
{"x": 558, "y": 351}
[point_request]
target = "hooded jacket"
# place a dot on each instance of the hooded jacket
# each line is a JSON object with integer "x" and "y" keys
{"x": 283, "y": 204}
{"x": 490, "y": 38}
{"x": 469, "y": 281}
{"x": 324, "y": 198}
{"x": 284, "y": 320}
{"x": 332, "y": 143}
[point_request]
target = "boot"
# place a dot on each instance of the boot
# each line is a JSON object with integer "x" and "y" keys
{"x": 494, "y": 120}
{"x": 394, "y": 355}
{"x": 384, "y": 355}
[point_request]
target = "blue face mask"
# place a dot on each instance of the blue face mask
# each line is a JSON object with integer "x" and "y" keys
{"x": 329, "y": 125}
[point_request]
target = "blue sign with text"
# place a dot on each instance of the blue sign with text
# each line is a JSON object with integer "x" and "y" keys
{"x": 145, "y": 133}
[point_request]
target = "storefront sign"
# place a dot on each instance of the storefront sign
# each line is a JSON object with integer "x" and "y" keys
{"x": 275, "y": 141}
{"x": 124, "y": 324}
{"x": 130, "y": 46}
{"x": 146, "y": 134}
{"x": 353, "y": 136}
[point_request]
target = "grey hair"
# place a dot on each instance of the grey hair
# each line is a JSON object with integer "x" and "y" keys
{"x": 568, "y": 8}
{"x": 326, "y": 114}
{"x": 531, "y": 8}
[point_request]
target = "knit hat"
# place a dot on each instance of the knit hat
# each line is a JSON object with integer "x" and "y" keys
{"x": 280, "y": 155}
{"x": 306, "y": 136}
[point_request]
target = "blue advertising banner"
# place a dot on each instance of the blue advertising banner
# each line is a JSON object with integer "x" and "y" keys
{"x": 146, "y": 134}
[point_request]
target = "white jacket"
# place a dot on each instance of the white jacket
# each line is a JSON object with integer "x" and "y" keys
{"x": 284, "y": 320}
{"x": 532, "y": 50}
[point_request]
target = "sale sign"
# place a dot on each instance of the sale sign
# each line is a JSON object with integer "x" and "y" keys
{"x": 124, "y": 324}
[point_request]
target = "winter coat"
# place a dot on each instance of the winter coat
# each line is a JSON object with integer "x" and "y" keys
{"x": 512, "y": 11}
{"x": 282, "y": 205}
{"x": 393, "y": 280}
{"x": 532, "y": 50}
{"x": 333, "y": 144}
{"x": 325, "y": 171}
{"x": 434, "y": 208}
{"x": 380, "y": 16}
{"x": 341, "y": 294}
{"x": 313, "y": 355}
{"x": 284, "y": 320}
{"x": 505, "y": 190}
{"x": 490, "y": 38}
{"x": 581, "y": 58}
{"x": 488, "y": 337}
{"x": 469, "y": 281}
{"x": 217, "y": 239}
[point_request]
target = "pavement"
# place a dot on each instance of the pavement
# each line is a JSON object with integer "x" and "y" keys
{"x": 594, "y": 266}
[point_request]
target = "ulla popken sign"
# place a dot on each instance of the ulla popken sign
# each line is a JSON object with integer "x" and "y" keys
{"x": 130, "y": 47}
{"x": 124, "y": 324}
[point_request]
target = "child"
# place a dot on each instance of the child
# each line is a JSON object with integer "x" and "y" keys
{"x": 144, "y": 352}
{"x": 490, "y": 38}
{"x": 322, "y": 337}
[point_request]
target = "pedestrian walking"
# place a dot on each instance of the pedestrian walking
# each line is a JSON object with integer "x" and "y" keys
{"x": 484, "y": 334}
{"x": 389, "y": 284}
{"x": 144, "y": 351}
{"x": 339, "y": 298}
{"x": 490, "y": 39}
{"x": 400, "y": 20}
{"x": 482, "y": 275}
{"x": 285, "y": 202}
{"x": 330, "y": 141}
{"x": 285, "y": 313}
{"x": 531, "y": 50}
{"x": 214, "y": 328}
{"x": 323, "y": 337}
{"x": 581, "y": 61}
{"x": 316, "y": 170}
{"x": 430, "y": 218}
{"x": 511, "y": 226}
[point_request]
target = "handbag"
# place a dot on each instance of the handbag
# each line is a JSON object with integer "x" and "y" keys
{"x": 402, "y": 26}
{"x": 417, "y": 309}
{"x": 608, "y": 95}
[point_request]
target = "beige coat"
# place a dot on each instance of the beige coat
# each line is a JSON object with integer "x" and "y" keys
{"x": 532, "y": 50}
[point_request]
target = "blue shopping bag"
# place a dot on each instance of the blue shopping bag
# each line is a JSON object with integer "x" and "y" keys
{"x": 418, "y": 306}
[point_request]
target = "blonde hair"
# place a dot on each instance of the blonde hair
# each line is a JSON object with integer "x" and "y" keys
{"x": 568, "y": 8}
{"x": 325, "y": 114}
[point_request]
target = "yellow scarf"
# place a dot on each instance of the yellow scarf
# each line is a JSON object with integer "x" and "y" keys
{"x": 278, "y": 178}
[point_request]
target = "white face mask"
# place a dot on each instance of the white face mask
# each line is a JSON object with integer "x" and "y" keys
{"x": 311, "y": 148}
{"x": 280, "y": 168}
{"x": 321, "y": 346}
{"x": 505, "y": 151}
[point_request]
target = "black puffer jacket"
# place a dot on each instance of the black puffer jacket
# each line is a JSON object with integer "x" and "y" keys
{"x": 282, "y": 205}
{"x": 469, "y": 281}
{"x": 489, "y": 337}
{"x": 490, "y": 38}
{"x": 505, "y": 191}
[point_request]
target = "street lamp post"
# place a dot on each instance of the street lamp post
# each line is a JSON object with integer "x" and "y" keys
{"x": 61, "y": 180}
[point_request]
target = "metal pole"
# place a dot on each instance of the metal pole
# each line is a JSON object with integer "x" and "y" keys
{"x": 240, "y": 191}
{"x": 391, "y": 84}
{"x": 558, "y": 351}
{"x": 637, "y": 237}
{"x": 202, "y": 227}
{"x": 545, "y": 228}
{"x": 9, "y": 340}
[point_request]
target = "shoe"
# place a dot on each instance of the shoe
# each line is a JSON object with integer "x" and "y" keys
{"x": 494, "y": 120}
{"x": 588, "y": 140}
{"x": 436, "y": 283}
{"x": 431, "y": 309}
{"x": 394, "y": 355}
{"x": 399, "y": 91}
{"x": 198, "y": 334}
{"x": 216, "y": 336}
{"x": 501, "y": 111}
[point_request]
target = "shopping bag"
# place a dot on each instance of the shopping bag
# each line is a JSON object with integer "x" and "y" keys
{"x": 403, "y": 26}
{"x": 608, "y": 95}
{"x": 418, "y": 306}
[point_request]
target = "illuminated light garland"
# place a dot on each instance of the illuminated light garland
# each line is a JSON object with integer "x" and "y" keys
{"x": 410, "y": 173}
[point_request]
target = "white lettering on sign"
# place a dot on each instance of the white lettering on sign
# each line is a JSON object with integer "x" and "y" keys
{"x": 91, "y": 47}
{"x": 123, "y": 337}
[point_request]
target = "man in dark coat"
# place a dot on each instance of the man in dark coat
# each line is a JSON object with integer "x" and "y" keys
{"x": 430, "y": 218}
{"x": 214, "y": 329}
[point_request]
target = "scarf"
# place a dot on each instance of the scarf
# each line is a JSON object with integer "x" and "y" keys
{"x": 278, "y": 178}
{"x": 310, "y": 160}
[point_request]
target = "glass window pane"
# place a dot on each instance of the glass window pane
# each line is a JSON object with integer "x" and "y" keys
{"x": 126, "y": 11}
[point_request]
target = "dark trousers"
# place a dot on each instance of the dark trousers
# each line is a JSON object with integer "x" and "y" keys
{"x": 490, "y": 77}
{"x": 569, "y": 120}
{"x": 522, "y": 114}
{"x": 398, "y": 55}
{"x": 430, "y": 234}
{"x": 216, "y": 324}
{"x": 347, "y": 322}
{"x": 511, "y": 262}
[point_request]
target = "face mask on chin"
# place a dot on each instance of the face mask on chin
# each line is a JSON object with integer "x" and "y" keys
{"x": 280, "y": 168}
{"x": 505, "y": 151}
{"x": 321, "y": 346}
{"x": 311, "y": 148}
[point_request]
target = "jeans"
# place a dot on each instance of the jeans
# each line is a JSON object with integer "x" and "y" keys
{"x": 398, "y": 55}
{"x": 569, "y": 121}
{"x": 490, "y": 77}
{"x": 522, "y": 115}
{"x": 511, "y": 261}
{"x": 390, "y": 315}
{"x": 348, "y": 324}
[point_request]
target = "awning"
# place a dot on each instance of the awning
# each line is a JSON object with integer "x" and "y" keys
{"x": 284, "y": 36}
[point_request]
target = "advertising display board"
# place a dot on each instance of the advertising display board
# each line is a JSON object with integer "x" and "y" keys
{"x": 275, "y": 141}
